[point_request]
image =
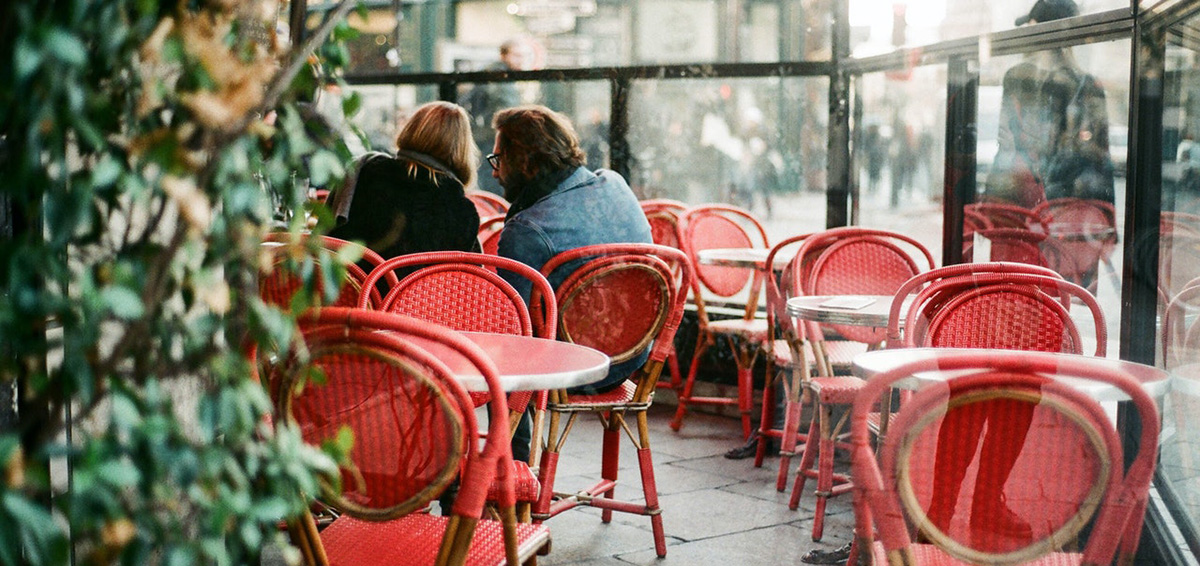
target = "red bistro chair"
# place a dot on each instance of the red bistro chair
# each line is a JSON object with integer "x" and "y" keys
{"x": 415, "y": 432}
{"x": 722, "y": 226}
{"x": 1066, "y": 473}
{"x": 663, "y": 217}
{"x": 1005, "y": 215}
{"x": 1086, "y": 232}
{"x": 1006, "y": 311}
{"x": 920, "y": 281}
{"x": 843, "y": 261}
{"x": 462, "y": 291}
{"x": 625, "y": 299}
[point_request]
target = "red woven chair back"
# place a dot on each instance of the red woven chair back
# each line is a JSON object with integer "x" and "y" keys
{"x": 1066, "y": 471}
{"x": 664, "y": 225}
{"x": 1007, "y": 311}
{"x": 488, "y": 204}
{"x": 858, "y": 261}
{"x": 409, "y": 428}
{"x": 290, "y": 258}
{"x": 462, "y": 291}
{"x": 391, "y": 380}
{"x": 1082, "y": 232}
{"x": 623, "y": 299}
{"x": 920, "y": 281}
{"x": 720, "y": 226}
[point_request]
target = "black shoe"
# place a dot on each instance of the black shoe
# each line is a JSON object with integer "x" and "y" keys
{"x": 838, "y": 555}
{"x": 750, "y": 448}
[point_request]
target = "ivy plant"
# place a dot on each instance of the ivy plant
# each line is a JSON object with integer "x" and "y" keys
{"x": 146, "y": 148}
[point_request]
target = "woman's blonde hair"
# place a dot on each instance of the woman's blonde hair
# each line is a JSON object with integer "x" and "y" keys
{"x": 442, "y": 130}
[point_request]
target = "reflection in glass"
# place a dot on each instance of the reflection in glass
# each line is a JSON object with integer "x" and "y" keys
{"x": 879, "y": 26}
{"x": 1050, "y": 191}
{"x": 1178, "y": 269}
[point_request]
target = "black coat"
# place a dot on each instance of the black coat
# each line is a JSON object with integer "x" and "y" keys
{"x": 405, "y": 204}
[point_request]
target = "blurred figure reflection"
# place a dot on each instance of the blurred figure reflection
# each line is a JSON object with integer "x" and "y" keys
{"x": 1053, "y": 136}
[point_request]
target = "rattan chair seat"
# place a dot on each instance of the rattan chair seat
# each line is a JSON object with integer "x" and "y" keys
{"x": 413, "y": 540}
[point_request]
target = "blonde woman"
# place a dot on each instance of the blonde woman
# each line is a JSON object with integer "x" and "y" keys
{"x": 415, "y": 200}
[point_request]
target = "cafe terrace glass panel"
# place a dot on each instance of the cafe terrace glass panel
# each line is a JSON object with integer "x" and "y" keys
{"x": 1076, "y": 241}
{"x": 1178, "y": 267}
{"x": 756, "y": 143}
{"x": 898, "y": 141}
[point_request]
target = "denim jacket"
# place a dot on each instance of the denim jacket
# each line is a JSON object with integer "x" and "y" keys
{"x": 586, "y": 208}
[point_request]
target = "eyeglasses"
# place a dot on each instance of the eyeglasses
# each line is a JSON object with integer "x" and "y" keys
{"x": 493, "y": 159}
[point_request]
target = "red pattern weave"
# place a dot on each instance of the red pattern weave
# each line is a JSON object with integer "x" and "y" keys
{"x": 414, "y": 541}
{"x": 640, "y": 288}
{"x": 1027, "y": 497}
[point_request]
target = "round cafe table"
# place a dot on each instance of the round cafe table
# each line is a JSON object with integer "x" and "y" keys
{"x": 1155, "y": 381}
{"x": 850, "y": 310}
{"x": 747, "y": 258}
{"x": 526, "y": 363}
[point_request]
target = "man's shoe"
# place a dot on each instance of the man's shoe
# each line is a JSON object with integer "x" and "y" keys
{"x": 838, "y": 555}
{"x": 749, "y": 449}
{"x": 746, "y": 450}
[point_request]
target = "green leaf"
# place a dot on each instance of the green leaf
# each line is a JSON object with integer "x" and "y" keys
{"x": 28, "y": 58}
{"x": 325, "y": 166}
{"x": 123, "y": 302}
{"x": 40, "y": 535}
{"x": 351, "y": 104}
{"x": 66, "y": 47}
{"x": 125, "y": 413}
{"x": 120, "y": 473}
